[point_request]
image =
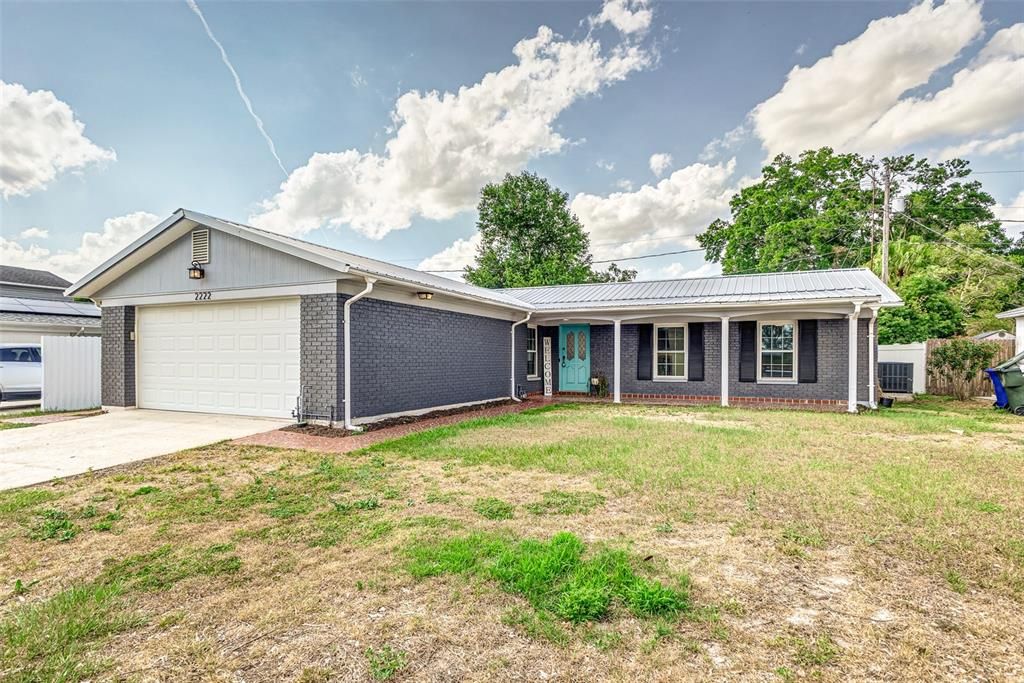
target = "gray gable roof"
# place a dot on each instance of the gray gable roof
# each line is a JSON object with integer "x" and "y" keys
{"x": 31, "y": 277}
{"x": 809, "y": 285}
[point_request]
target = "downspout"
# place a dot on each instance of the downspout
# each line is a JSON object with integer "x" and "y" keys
{"x": 512, "y": 385}
{"x": 348, "y": 352}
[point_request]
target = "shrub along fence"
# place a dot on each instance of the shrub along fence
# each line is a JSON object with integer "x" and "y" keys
{"x": 981, "y": 385}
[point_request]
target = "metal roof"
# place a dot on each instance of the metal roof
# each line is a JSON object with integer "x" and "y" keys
{"x": 1012, "y": 313}
{"x": 835, "y": 285}
{"x": 41, "y": 319}
{"x": 810, "y": 285}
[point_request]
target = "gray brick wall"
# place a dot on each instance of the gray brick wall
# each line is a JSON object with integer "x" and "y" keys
{"x": 407, "y": 357}
{"x": 832, "y": 364}
{"x": 321, "y": 364}
{"x": 117, "y": 364}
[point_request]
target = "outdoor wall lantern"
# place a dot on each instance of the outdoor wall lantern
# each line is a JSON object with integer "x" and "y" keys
{"x": 195, "y": 272}
{"x": 424, "y": 296}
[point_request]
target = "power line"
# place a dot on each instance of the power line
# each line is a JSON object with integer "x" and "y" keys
{"x": 1009, "y": 264}
{"x": 664, "y": 253}
{"x": 991, "y": 172}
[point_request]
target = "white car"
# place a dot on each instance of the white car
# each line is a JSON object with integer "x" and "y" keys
{"x": 21, "y": 371}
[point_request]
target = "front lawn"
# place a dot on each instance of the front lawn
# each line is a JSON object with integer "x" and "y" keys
{"x": 568, "y": 542}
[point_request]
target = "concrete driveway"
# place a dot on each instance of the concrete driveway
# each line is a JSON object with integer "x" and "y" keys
{"x": 37, "y": 454}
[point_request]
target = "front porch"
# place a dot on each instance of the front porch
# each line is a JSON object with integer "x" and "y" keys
{"x": 821, "y": 357}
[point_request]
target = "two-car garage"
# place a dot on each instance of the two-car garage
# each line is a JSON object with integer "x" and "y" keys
{"x": 239, "y": 357}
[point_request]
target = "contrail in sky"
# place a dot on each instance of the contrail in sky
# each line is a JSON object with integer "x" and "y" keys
{"x": 238, "y": 84}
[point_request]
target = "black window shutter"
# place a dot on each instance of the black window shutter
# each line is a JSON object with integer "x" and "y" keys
{"x": 807, "y": 351}
{"x": 695, "y": 352}
{"x": 748, "y": 351}
{"x": 644, "y": 359}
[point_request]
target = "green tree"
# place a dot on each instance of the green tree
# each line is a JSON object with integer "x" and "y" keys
{"x": 823, "y": 211}
{"x": 928, "y": 312}
{"x": 959, "y": 361}
{"x": 529, "y": 237}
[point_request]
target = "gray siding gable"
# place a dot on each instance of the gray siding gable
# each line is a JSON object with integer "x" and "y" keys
{"x": 234, "y": 263}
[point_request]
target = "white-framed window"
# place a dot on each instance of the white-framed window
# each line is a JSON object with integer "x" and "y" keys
{"x": 532, "y": 371}
{"x": 776, "y": 357}
{"x": 670, "y": 352}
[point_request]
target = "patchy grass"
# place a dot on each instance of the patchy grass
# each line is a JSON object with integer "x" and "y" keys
{"x": 591, "y": 541}
{"x": 50, "y": 640}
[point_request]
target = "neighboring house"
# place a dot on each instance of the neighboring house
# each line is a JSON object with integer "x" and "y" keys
{"x": 258, "y": 323}
{"x": 994, "y": 335}
{"x": 1016, "y": 314}
{"x": 33, "y": 304}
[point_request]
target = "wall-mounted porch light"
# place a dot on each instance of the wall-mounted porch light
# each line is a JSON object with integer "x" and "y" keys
{"x": 424, "y": 296}
{"x": 196, "y": 272}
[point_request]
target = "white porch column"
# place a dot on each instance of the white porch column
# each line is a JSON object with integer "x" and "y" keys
{"x": 618, "y": 362}
{"x": 871, "y": 358}
{"x": 725, "y": 360}
{"x": 851, "y": 400}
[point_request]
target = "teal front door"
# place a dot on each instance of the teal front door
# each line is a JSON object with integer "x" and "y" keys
{"x": 574, "y": 368}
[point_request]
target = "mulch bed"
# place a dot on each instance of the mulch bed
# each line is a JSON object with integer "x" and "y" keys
{"x": 307, "y": 439}
{"x": 335, "y": 432}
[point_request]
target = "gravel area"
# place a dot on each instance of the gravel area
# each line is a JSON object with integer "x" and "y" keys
{"x": 326, "y": 444}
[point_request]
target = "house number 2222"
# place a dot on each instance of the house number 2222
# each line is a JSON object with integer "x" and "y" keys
{"x": 203, "y": 296}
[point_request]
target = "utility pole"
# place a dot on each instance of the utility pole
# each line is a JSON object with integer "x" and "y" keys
{"x": 886, "y": 178}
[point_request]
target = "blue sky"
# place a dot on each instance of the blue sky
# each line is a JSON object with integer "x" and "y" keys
{"x": 587, "y": 107}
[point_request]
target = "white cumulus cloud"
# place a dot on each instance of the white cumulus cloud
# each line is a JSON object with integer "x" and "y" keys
{"x": 840, "y": 97}
{"x": 34, "y": 233}
{"x": 93, "y": 249}
{"x": 456, "y": 256}
{"x": 629, "y": 16}
{"x": 985, "y": 146}
{"x": 677, "y": 207}
{"x": 445, "y": 146}
{"x": 1012, "y": 211}
{"x": 986, "y": 96}
{"x": 1008, "y": 42}
{"x": 660, "y": 163}
{"x": 40, "y": 138}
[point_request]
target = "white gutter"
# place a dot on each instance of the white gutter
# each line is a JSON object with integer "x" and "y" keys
{"x": 512, "y": 386}
{"x": 348, "y": 353}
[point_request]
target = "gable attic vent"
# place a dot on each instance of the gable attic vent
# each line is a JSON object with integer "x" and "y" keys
{"x": 201, "y": 246}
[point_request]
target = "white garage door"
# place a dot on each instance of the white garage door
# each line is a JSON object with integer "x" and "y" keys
{"x": 240, "y": 358}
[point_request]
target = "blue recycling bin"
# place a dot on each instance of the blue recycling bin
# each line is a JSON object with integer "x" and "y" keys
{"x": 1002, "y": 401}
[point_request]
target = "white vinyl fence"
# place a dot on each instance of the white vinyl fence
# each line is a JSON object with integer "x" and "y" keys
{"x": 71, "y": 373}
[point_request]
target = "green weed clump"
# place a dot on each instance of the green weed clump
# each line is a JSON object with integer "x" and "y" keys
{"x": 494, "y": 508}
{"x": 565, "y": 503}
{"x": 556, "y": 577}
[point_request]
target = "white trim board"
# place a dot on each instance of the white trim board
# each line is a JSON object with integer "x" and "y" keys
{"x": 223, "y": 295}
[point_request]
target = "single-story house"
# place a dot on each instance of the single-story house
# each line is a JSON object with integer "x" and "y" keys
{"x": 993, "y": 335}
{"x": 1016, "y": 314}
{"x": 204, "y": 314}
{"x": 32, "y": 304}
